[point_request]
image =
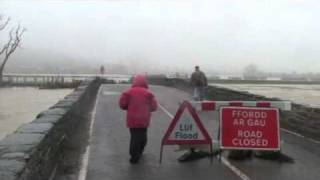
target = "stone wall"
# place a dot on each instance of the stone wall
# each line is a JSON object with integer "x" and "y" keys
{"x": 301, "y": 119}
{"x": 33, "y": 150}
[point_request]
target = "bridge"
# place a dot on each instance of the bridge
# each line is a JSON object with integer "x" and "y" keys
{"x": 104, "y": 153}
{"x": 52, "y": 79}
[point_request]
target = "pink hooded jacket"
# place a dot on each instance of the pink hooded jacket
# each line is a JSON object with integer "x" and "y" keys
{"x": 139, "y": 102}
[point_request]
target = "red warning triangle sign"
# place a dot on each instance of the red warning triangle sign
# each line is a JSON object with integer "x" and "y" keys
{"x": 186, "y": 128}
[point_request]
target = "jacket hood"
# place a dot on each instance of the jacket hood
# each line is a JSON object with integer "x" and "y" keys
{"x": 140, "y": 81}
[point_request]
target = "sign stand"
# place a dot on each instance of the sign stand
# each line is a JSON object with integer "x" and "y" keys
{"x": 218, "y": 140}
{"x": 211, "y": 153}
{"x": 186, "y": 130}
{"x": 161, "y": 152}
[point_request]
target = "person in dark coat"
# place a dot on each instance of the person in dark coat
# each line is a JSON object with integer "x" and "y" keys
{"x": 199, "y": 82}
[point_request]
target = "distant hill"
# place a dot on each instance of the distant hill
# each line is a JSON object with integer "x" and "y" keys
{"x": 31, "y": 61}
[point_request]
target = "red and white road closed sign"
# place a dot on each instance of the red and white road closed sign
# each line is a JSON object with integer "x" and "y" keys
{"x": 249, "y": 128}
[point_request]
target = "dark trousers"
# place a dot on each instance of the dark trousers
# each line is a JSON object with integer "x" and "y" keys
{"x": 138, "y": 141}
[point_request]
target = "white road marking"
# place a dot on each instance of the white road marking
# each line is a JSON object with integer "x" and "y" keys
{"x": 108, "y": 93}
{"x": 166, "y": 111}
{"x": 233, "y": 168}
{"x": 291, "y": 132}
{"x": 314, "y": 141}
{"x": 54, "y": 172}
{"x": 85, "y": 158}
{"x": 301, "y": 136}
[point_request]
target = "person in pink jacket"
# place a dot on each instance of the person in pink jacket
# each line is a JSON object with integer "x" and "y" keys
{"x": 139, "y": 103}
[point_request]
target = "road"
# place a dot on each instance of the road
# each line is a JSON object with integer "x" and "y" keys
{"x": 108, "y": 156}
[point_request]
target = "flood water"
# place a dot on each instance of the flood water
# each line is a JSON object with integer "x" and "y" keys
{"x": 302, "y": 94}
{"x": 21, "y": 105}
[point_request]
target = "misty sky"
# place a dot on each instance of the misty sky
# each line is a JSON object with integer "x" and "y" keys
{"x": 219, "y": 35}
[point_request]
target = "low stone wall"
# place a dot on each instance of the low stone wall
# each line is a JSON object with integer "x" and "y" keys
{"x": 301, "y": 119}
{"x": 33, "y": 150}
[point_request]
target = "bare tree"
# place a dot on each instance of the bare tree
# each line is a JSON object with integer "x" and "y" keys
{"x": 15, "y": 35}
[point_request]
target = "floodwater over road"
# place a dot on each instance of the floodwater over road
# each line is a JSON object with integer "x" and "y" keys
{"x": 21, "y": 105}
{"x": 302, "y": 94}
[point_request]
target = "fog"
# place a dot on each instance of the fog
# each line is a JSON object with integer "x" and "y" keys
{"x": 222, "y": 36}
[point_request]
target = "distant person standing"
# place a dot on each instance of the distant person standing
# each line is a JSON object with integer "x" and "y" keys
{"x": 199, "y": 82}
{"x": 102, "y": 70}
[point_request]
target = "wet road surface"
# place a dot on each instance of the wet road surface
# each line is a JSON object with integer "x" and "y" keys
{"x": 109, "y": 148}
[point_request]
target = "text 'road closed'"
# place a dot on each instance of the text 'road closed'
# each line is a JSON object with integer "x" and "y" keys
{"x": 249, "y": 128}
